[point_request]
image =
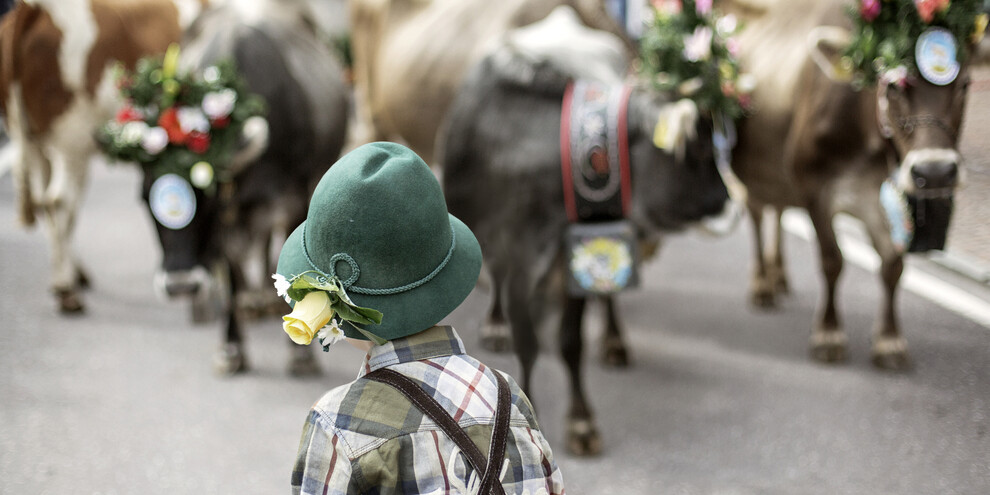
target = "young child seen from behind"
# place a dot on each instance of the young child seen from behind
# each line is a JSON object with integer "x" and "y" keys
{"x": 379, "y": 262}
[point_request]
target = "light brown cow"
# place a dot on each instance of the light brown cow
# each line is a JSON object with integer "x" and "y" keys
{"x": 55, "y": 90}
{"x": 817, "y": 143}
{"x": 411, "y": 55}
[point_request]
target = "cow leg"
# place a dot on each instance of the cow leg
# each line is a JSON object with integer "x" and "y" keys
{"x": 230, "y": 358}
{"x": 776, "y": 275}
{"x": 582, "y": 434}
{"x": 889, "y": 347}
{"x": 828, "y": 340}
{"x": 614, "y": 351}
{"x": 761, "y": 292}
{"x": 495, "y": 333}
{"x": 69, "y": 173}
{"x": 523, "y": 326}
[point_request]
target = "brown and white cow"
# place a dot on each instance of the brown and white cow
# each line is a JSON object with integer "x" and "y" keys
{"x": 55, "y": 90}
{"x": 411, "y": 55}
{"x": 816, "y": 142}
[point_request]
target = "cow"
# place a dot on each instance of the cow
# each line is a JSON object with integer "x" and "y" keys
{"x": 502, "y": 177}
{"x": 815, "y": 141}
{"x": 55, "y": 91}
{"x": 275, "y": 47}
{"x": 410, "y": 55}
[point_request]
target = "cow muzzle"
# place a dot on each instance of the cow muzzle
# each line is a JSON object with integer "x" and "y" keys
{"x": 930, "y": 173}
{"x": 182, "y": 283}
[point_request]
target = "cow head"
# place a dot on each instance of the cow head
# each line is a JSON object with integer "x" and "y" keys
{"x": 922, "y": 120}
{"x": 189, "y": 220}
{"x": 919, "y": 113}
{"x": 676, "y": 179}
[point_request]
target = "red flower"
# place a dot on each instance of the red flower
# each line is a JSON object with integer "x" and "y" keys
{"x": 169, "y": 121}
{"x": 198, "y": 142}
{"x": 220, "y": 123}
{"x": 927, "y": 8}
{"x": 128, "y": 114}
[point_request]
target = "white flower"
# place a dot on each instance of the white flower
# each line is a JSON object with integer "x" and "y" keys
{"x": 133, "y": 132}
{"x": 330, "y": 334}
{"x": 281, "y": 285}
{"x": 897, "y": 75}
{"x": 219, "y": 104}
{"x": 746, "y": 83}
{"x": 192, "y": 119}
{"x": 211, "y": 74}
{"x": 726, "y": 25}
{"x": 698, "y": 46}
{"x": 201, "y": 176}
{"x": 155, "y": 139}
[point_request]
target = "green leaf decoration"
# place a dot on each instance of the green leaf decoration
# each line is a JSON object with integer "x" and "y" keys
{"x": 340, "y": 302}
{"x": 711, "y": 80}
{"x": 885, "y": 33}
{"x": 153, "y": 106}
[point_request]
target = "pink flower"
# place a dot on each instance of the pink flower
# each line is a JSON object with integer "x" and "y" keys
{"x": 732, "y": 45}
{"x": 869, "y": 9}
{"x": 703, "y": 7}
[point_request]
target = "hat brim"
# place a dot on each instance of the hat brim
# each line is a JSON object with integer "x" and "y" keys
{"x": 412, "y": 311}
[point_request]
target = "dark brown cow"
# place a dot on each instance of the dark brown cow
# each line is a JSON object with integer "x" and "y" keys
{"x": 55, "y": 57}
{"x": 817, "y": 143}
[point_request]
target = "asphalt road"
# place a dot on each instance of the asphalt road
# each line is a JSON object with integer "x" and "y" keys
{"x": 721, "y": 398}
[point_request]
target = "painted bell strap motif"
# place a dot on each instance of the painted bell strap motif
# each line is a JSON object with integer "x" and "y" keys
{"x": 595, "y": 151}
{"x": 935, "y": 54}
{"x": 172, "y": 201}
{"x": 602, "y": 258}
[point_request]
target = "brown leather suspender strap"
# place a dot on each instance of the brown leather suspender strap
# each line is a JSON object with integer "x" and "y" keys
{"x": 430, "y": 407}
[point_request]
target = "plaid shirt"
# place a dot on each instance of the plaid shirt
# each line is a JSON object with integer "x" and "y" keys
{"x": 366, "y": 437}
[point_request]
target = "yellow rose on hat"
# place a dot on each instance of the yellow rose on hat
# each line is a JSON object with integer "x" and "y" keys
{"x": 309, "y": 316}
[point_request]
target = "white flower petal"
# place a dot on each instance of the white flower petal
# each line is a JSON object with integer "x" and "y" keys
{"x": 155, "y": 139}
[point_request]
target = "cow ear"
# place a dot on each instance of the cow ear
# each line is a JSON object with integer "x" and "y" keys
{"x": 826, "y": 44}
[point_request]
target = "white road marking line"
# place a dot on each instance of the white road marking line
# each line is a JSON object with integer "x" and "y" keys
{"x": 930, "y": 287}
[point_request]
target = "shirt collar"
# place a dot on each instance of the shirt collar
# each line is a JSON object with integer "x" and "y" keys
{"x": 434, "y": 342}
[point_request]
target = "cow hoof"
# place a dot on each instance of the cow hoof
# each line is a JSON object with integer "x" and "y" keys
{"x": 303, "y": 364}
{"x": 829, "y": 346}
{"x": 890, "y": 353}
{"x": 781, "y": 286}
{"x": 230, "y": 360}
{"x": 762, "y": 295}
{"x": 82, "y": 279}
{"x": 582, "y": 438}
{"x": 495, "y": 337}
{"x": 614, "y": 353}
{"x": 69, "y": 302}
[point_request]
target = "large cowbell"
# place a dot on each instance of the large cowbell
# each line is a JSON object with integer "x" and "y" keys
{"x": 931, "y": 222}
{"x": 917, "y": 223}
{"x": 602, "y": 258}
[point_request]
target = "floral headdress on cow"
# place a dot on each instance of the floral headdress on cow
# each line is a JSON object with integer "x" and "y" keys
{"x": 689, "y": 48}
{"x": 895, "y": 39}
{"x": 180, "y": 123}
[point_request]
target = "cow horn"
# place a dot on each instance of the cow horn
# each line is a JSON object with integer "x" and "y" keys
{"x": 826, "y": 44}
{"x": 254, "y": 137}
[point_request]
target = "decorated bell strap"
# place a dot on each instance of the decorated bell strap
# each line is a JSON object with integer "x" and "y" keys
{"x": 594, "y": 151}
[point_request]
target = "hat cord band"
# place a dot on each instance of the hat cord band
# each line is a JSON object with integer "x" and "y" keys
{"x": 356, "y": 271}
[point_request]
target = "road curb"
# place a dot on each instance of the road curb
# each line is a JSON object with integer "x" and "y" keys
{"x": 962, "y": 265}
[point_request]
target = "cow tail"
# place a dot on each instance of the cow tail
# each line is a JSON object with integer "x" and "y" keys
{"x": 13, "y": 28}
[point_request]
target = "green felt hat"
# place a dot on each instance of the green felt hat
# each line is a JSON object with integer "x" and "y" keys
{"x": 379, "y": 223}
